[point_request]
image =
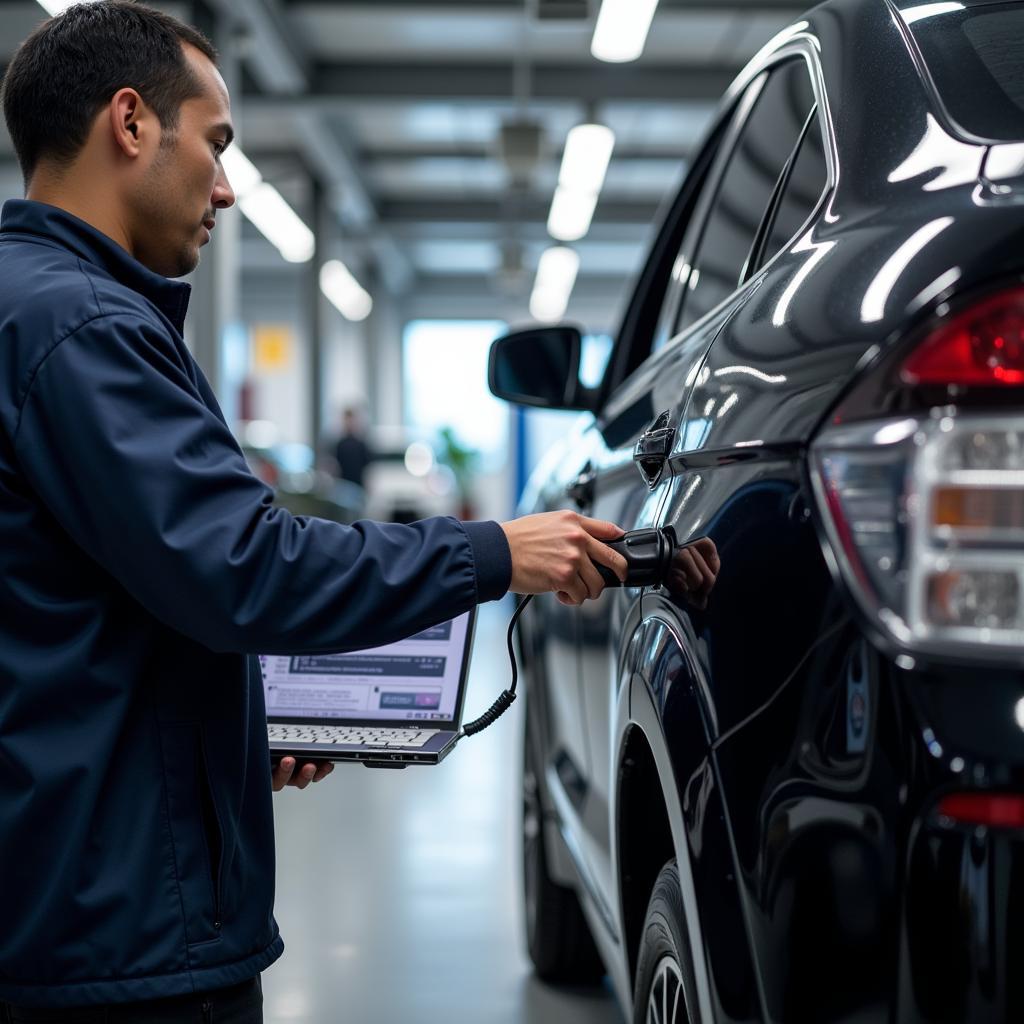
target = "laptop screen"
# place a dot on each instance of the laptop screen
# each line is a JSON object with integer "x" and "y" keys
{"x": 414, "y": 681}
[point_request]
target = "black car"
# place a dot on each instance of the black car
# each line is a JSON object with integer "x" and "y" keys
{"x": 794, "y": 791}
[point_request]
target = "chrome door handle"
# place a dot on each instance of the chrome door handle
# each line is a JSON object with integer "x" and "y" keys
{"x": 653, "y": 449}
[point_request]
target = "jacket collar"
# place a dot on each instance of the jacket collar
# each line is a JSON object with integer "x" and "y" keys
{"x": 27, "y": 217}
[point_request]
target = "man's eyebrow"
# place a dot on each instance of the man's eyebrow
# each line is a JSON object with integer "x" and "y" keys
{"x": 228, "y": 132}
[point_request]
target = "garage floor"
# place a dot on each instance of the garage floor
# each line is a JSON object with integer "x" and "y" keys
{"x": 398, "y": 892}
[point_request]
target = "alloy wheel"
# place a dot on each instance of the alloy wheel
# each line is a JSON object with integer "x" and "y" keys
{"x": 666, "y": 1003}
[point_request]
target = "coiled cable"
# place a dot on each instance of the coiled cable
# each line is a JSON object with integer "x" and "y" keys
{"x": 507, "y": 697}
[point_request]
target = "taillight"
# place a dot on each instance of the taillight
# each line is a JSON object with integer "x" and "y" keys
{"x": 981, "y": 346}
{"x": 925, "y": 512}
{"x": 996, "y": 810}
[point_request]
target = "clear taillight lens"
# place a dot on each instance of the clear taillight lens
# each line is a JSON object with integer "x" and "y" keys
{"x": 926, "y": 516}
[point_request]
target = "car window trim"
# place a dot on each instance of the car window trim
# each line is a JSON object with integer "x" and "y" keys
{"x": 725, "y": 124}
{"x": 756, "y": 256}
{"x": 772, "y": 67}
{"x": 742, "y": 110}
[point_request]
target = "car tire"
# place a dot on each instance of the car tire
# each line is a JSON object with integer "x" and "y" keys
{"x": 665, "y": 991}
{"x": 558, "y": 938}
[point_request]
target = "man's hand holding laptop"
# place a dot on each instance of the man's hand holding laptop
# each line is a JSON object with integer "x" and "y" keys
{"x": 284, "y": 774}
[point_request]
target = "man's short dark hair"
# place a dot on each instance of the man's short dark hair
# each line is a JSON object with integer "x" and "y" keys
{"x": 71, "y": 66}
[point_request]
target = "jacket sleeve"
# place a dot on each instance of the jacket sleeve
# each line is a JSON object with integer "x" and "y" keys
{"x": 146, "y": 478}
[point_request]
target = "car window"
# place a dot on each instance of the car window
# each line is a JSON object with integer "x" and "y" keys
{"x": 804, "y": 186}
{"x": 973, "y": 55}
{"x": 728, "y": 131}
{"x": 634, "y": 339}
{"x": 764, "y": 147}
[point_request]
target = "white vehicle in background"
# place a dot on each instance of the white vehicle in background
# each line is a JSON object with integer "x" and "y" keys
{"x": 405, "y": 481}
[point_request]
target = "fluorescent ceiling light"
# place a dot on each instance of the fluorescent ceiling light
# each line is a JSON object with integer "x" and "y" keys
{"x": 242, "y": 173}
{"x": 556, "y": 277}
{"x": 621, "y": 29}
{"x": 571, "y": 214}
{"x": 344, "y": 291}
{"x": 588, "y": 148}
{"x": 55, "y": 7}
{"x": 266, "y": 208}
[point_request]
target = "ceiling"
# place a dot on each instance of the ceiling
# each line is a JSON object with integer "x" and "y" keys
{"x": 397, "y": 108}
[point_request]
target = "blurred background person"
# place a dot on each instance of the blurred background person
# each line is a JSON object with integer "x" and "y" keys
{"x": 352, "y": 452}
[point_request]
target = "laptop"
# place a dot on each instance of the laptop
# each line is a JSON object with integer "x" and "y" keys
{"x": 387, "y": 707}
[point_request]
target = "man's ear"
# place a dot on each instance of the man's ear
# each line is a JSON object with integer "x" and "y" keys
{"x": 129, "y": 122}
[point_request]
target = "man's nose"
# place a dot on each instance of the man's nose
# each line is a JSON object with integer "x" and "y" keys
{"x": 223, "y": 194}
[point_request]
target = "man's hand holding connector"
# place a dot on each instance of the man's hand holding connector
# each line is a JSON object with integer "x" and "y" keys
{"x": 556, "y": 551}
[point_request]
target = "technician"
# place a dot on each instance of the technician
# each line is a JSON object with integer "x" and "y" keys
{"x": 140, "y": 559}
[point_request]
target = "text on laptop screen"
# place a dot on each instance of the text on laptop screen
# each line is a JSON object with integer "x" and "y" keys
{"x": 412, "y": 680}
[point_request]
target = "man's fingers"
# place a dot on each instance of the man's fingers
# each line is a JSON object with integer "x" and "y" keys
{"x": 303, "y": 778}
{"x": 604, "y": 555}
{"x": 285, "y": 774}
{"x": 707, "y": 573}
{"x": 282, "y": 774}
{"x": 696, "y": 571}
{"x": 591, "y": 579}
{"x": 706, "y": 546}
{"x": 601, "y": 528}
{"x": 574, "y": 591}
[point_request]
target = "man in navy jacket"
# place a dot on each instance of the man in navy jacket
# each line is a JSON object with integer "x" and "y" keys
{"x": 140, "y": 559}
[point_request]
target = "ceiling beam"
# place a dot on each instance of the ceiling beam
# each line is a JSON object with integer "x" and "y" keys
{"x": 273, "y": 54}
{"x": 796, "y": 7}
{"x": 458, "y": 83}
{"x": 372, "y": 158}
{"x": 335, "y": 162}
{"x": 496, "y": 211}
{"x": 276, "y": 60}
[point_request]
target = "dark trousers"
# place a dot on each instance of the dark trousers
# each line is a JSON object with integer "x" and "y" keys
{"x": 239, "y": 1004}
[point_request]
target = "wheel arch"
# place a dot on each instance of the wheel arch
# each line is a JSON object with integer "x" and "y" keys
{"x": 648, "y": 804}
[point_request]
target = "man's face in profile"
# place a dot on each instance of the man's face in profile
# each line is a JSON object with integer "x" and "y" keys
{"x": 185, "y": 185}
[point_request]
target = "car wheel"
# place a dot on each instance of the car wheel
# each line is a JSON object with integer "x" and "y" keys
{"x": 665, "y": 991}
{"x": 558, "y": 938}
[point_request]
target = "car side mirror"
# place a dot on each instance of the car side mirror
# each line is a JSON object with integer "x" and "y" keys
{"x": 540, "y": 366}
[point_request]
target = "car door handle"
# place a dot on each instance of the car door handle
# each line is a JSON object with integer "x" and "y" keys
{"x": 653, "y": 449}
{"x": 581, "y": 490}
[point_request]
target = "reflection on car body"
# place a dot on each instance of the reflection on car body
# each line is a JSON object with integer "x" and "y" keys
{"x": 796, "y": 794}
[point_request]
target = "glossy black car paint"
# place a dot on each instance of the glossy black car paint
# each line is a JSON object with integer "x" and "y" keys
{"x": 818, "y": 881}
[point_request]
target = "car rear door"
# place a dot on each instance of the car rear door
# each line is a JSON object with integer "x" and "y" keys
{"x": 732, "y": 479}
{"x": 649, "y": 401}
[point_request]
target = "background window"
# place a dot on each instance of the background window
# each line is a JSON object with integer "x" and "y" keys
{"x": 768, "y": 139}
{"x": 445, "y": 385}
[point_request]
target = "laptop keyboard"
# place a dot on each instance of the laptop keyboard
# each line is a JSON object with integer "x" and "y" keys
{"x": 350, "y": 735}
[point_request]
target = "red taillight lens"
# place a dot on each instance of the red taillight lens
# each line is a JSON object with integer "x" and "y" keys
{"x": 997, "y": 810}
{"x": 982, "y": 346}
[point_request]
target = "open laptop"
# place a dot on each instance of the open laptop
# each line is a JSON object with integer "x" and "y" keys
{"x": 386, "y": 707}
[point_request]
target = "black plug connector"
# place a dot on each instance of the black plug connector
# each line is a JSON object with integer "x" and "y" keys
{"x": 648, "y": 554}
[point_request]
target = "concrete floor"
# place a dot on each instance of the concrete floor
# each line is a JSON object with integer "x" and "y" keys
{"x": 398, "y": 892}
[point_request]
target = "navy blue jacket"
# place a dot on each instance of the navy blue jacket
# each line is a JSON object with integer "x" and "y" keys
{"x": 139, "y": 560}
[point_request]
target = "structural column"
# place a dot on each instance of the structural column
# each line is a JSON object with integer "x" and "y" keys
{"x": 214, "y": 309}
{"x": 315, "y": 312}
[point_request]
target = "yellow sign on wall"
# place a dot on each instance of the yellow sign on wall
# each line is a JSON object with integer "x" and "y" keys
{"x": 272, "y": 346}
